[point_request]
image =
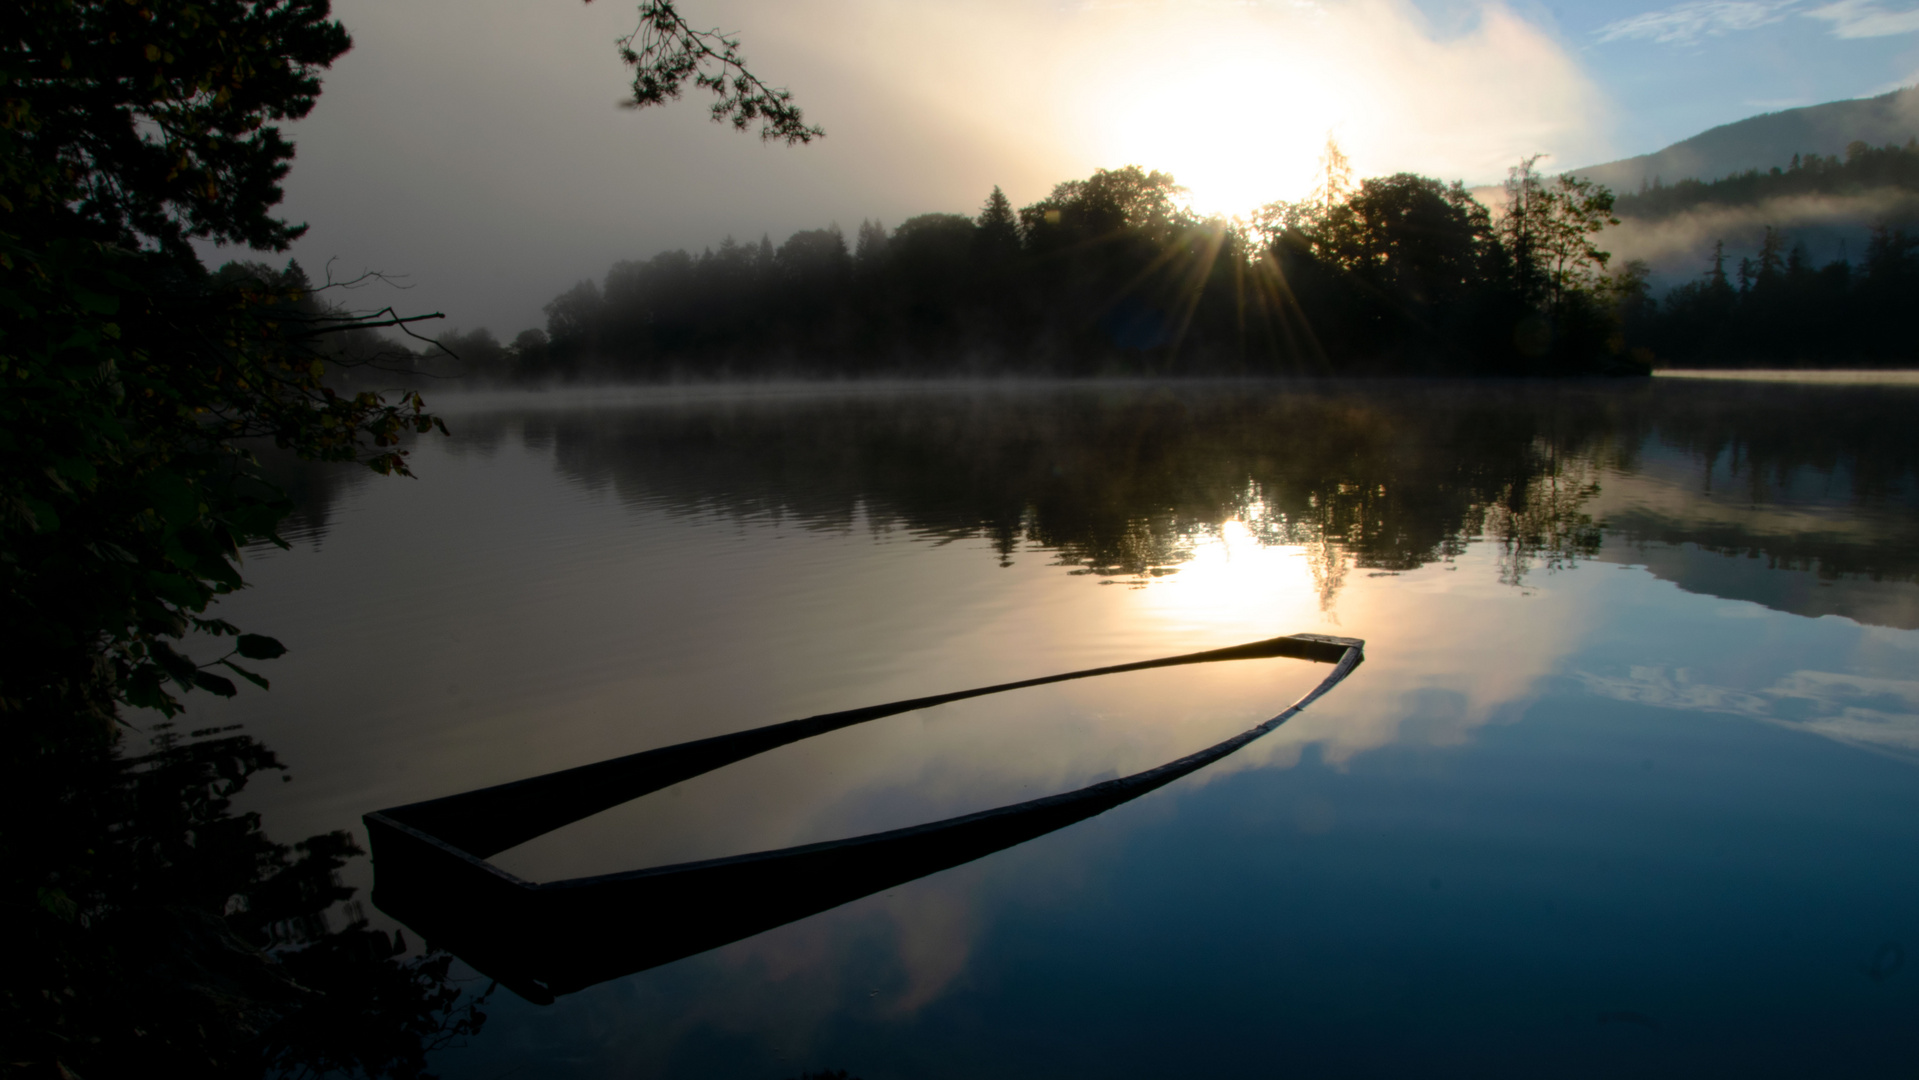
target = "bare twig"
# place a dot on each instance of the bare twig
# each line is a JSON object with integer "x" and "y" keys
{"x": 365, "y": 278}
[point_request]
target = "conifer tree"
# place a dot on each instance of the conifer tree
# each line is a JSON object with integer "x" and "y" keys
{"x": 998, "y": 224}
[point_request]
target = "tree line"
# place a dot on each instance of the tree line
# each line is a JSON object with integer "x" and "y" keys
{"x": 1113, "y": 274}
{"x": 1778, "y": 309}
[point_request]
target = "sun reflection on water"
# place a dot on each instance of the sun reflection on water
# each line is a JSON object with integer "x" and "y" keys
{"x": 1235, "y": 579}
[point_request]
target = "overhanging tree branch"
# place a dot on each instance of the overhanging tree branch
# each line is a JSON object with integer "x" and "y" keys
{"x": 664, "y": 51}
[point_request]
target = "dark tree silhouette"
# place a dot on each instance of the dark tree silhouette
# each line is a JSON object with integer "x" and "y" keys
{"x": 138, "y": 384}
{"x": 998, "y": 225}
{"x": 1784, "y": 311}
{"x": 1114, "y": 273}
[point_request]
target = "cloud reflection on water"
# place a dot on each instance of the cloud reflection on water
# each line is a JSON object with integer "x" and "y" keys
{"x": 1875, "y": 713}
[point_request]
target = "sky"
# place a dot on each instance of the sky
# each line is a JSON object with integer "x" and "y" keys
{"x": 474, "y": 151}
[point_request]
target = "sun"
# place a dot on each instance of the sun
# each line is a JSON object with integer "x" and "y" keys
{"x": 1238, "y": 124}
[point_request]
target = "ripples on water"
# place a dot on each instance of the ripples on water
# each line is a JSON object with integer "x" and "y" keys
{"x": 1635, "y": 737}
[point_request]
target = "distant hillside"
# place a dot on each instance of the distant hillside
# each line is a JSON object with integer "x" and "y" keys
{"x": 1769, "y": 139}
{"x": 1865, "y": 169}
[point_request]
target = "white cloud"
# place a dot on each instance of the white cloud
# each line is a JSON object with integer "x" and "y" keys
{"x": 1865, "y": 19}
{"x": 1687, "y": 23}
{"x": 1233, "y": 98}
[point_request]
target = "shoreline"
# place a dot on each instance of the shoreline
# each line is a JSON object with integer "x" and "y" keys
{"x": 1832, "y": 376}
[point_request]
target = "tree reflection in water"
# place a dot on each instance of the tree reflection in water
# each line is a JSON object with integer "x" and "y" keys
{"x": 1122, "y": 482}
{"x": 164, "y": 934}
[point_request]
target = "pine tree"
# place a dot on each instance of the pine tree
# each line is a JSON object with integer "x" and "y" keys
{"x": 1716, "y": 277}
{"x": 1772, "y": 258}
{"x": 999, "y": 226}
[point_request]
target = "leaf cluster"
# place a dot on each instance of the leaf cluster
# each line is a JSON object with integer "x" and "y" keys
{"x": 1109, "y": 203}
{"x": 1551, "y": 225}
{"x": 135, "y": 389}
{"x": 134, "y": 385}
{"x": 151, "y": 121}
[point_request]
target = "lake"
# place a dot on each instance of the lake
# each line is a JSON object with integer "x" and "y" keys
{"x": 1628, "y": 783}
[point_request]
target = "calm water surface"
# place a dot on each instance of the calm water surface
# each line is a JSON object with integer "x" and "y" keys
{"x": 1629, "y": 783}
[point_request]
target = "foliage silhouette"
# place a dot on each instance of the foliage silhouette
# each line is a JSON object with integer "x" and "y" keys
{"x": 1115, "y": 274}
{"x": 136, "y": 380}
{"x": 664, "y": 51}
{"x": 1781, "y": 310}
{"x": 137, "y": 386}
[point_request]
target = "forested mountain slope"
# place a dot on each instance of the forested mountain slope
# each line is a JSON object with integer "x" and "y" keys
{"x": 1769, "y": 139}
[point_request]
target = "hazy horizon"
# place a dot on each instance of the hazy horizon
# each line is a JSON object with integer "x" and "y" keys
{"x": 478, "y": 154}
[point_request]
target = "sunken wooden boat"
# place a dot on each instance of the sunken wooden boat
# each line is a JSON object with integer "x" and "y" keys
{"x": 546, "y": 938}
